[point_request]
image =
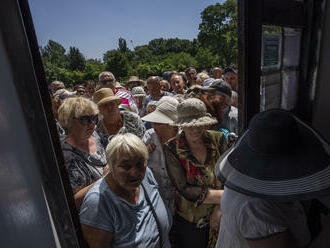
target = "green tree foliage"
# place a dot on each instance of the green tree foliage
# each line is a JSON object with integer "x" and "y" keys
{"x": 92, "y": 69}
{"x": 122, "y": 45}
{"x": 216, "y": 44}
{"x": 76, "y": 60}
{"x": 117, "y": 63}
{"x": 218, "y": 30}
{"x": 54, "y": 53}
{"x": 205, "y": 59}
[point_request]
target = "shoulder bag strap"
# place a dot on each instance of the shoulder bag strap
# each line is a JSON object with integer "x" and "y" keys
{"x": 155, "y": 216}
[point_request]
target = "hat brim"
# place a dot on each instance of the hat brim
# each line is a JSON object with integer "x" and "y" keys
{"x": 110, "y": 99}
{"x": 196, "y": 122}
{"x": 136, "y": 81}
{"x": 139, "y": 95}
{"x": 157, "y": 117}
{"x": 300, "y": 174}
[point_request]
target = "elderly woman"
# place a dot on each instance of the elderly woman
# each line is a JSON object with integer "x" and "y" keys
{"x": 57, "y": 99}
{"x": 139, "y": 95}
{"x": 161, "y": 131}
{"x": 84, "y": 155}
{"x": 115, "y": 121}
{"x": 190, "y": 160}
{"x": 124, "y": 209}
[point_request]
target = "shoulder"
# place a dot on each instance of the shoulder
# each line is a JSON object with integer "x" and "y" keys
{"x": 172, "y": 142}
{"x": 130, "y": 115}
{"x": 166, "y": 93}
{"x": 149, "y": 178}
{"x": 258, "y": 218}
{"x": 148, "y": 135}
{"x": 233, "y": 112}
{"x": 216, "y": 137}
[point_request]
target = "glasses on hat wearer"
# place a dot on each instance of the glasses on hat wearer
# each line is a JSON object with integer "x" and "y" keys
{"x": 194, "y": 90}
{"x": 107, "y": 81}
{"x": 87, "y": 119}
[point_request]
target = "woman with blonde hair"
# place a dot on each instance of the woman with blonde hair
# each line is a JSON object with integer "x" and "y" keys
{"x": 124, "y": 209}
{"x": 84, "y": 156}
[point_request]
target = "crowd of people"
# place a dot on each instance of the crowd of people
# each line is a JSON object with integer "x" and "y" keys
{"x": 156, "y": 164}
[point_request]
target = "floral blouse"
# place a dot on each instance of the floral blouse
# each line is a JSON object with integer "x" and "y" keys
{"x": 83, "y": 169}
{"x": 192, "y": 179}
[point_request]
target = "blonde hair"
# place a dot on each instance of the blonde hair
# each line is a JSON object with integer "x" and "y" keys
{"x": 75, "y": 107}
{"x": 201, "y": 77}
{"x": 122, "y": 144}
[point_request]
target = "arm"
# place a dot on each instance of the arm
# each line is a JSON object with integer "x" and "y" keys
{"x": 79, "y": 195}
{"x": 215, "y": 219}
{"x": 190, "y": 192}
{"x": 97, "y": 238}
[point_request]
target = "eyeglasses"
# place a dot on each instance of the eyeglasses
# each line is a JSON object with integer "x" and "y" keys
{"x": 87, "y": 119}
{"x": 106, "y": 81}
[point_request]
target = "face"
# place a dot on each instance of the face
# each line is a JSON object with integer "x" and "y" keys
{"x": 231, "y": 78}
{"x": 109, "y": 109}
{"x": 177, "y": 83}
{"x": 219, "y": 101}
{"x": 164, "y": 85}
{"x": 108, "y": 81}
{"x": 151, "y": 108}
{"x": 163, "y": 130}
{"x": 81, "y": 92}
{"x": 139, "y": 100}
{"x": 194, "y": 133}
{"x": 84, "y": 125}
{"x": 129, "y": 172}
{"x": 191, "y": 75}
{"x": 90, "y": 89}
{"x": 217, "y": 73}
{"x": 153, "y": 88}
{"x": 57, "y": 87}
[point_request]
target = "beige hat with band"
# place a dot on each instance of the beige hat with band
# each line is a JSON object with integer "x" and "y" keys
{"x": 164, "y": 113}
{"x": 105, "y": 95}
{"x": 192, "y": 113}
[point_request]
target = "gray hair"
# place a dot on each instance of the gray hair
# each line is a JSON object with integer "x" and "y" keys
{"x": 104, "y": 73}
{"x": 122, "y": 144}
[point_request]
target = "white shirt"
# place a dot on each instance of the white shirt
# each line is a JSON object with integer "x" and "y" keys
{"x": 245, "y": 217}
{"x": 156, "y": 163}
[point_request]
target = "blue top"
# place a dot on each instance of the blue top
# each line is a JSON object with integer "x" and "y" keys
{"x": 132, "y": 225}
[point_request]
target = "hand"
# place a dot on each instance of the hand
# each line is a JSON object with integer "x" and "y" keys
{"x": 151, "y": 147}
{"x": 215, "y": 218}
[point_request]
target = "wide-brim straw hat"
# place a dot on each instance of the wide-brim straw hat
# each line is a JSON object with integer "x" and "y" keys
{"x": 279, "y": 158}
{"x": 164, "y": 113}
{"x": 192, "y": 113}
{"x": 135, "y": 79}
{"x": 105, "y": 95}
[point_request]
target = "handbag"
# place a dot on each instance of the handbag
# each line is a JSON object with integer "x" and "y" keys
{"x": 154, "y": 214}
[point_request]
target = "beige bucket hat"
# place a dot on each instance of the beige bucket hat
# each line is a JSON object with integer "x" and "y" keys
{"x": 138, "y": 91}
{"x": 165, "y": 113}
{"x": 192, "y": 113}
{"x": 105, "y": 95}
{"x": 135, "y": 79}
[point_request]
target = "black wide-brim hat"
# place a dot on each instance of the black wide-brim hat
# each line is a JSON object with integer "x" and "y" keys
{"x": 278, "y": 158}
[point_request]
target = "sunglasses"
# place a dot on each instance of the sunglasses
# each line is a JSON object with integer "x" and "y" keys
{"x": 106, "y": 81}
{"x": 87, "y": 119}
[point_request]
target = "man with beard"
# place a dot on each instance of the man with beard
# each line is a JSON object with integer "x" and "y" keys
{"x": 220, "y": 94}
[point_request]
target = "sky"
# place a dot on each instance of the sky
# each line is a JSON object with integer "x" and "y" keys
{"x": 94, "y": 26}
